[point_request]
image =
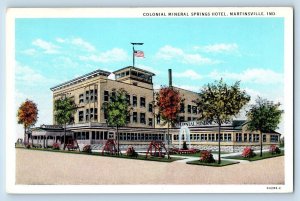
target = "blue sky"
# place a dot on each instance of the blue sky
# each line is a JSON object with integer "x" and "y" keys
{"x": 199, "y": 50}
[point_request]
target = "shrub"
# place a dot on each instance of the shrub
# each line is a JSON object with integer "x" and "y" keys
{"x": 274, "y": 149}
{"x": 55, "y": 146}
{"x": 131, "y": 152}
{"x": 87, "y": 148}
{"x": 248, "y": 152}
{"x": 27, "y": 145}
{"x": 206, "y": 157}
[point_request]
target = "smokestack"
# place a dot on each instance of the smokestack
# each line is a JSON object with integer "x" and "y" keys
{"x": 170, "y": 77}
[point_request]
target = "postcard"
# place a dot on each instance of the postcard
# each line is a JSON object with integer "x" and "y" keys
{"x": 149, "y": 100}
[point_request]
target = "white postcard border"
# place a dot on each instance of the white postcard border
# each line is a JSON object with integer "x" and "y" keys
{"x": 14, "y": 13}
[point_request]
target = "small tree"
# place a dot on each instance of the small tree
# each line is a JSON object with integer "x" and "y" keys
{"x": 263, "y": 116}
{"x": 168, "y": 101}
{"x": 64, "y": 109}
{"x": 117, "y": 110}
{"x": 27, "y": 115}
{"x": 219, "y": 102}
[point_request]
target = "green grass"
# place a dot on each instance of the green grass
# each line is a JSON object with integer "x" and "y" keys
{"x": 198, "y": 154}
{"x": 215, "y": 164}
{"x": 123, "y": 156}
{"x": 265, "y": 155}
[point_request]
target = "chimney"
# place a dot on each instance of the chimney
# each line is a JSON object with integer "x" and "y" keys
{"x": 170, "y": 77}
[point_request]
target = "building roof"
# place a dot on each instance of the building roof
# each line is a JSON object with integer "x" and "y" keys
{"x": 135, "y": 68}
{"x": 81, "y": 78}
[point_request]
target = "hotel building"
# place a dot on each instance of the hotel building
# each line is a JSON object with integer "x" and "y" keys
{"x": 89, "y": 125}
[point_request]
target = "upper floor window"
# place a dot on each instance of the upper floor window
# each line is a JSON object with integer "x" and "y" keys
{"x": 134, "y": 117}
{"x": 181, "y": 119}
{"x": 134, "y": 101}
{"x": 150, "y": 122}
{"x": 182, "y": 107}
{"x": 238, "y": 137}
{"x": 150, "y": 107}
{"x": 128, "y": 99}
{"x": 142, "y": 102}
{"x": 80, "y": 116}
{"x": 189, "y": 109}
{"x": 142, "y": 118}
{"x": 194, "y": 109}
{"x": 274, "y": 138}
{"x": 81, "y": 98}
{"x": 106, "y": 95}
{"x": 158, "y": 119}
{"x": 264, "y": 138}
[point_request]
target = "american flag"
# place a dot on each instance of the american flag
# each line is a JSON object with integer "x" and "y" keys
{"x": 138, "y": 53}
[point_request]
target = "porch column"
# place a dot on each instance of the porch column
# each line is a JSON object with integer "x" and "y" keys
{"x": 44, "y": 141}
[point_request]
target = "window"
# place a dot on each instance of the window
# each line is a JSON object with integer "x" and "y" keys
{"x": 113, "y": 96}
{"x": 274, "y": 138}
{"x": 189, "y": 118}
{"x": 128, "y": 118}
{"x": 150, "y": 122}
{"x": 245, "y": 137}
{"x": 142, "y": 118}
{"x": 105, "y": 113}
{"x": 134, "y": 117}
{"x": 150, "y": 107}
{"x": 221, "y": 137}
{"x": 181, "y": 119}
{"x": 212, "y": 137}
{"x": 256, "y": 137}
{"x": 238, "y": 137}
{"x": 87, "y": 96}
{"x": 142, "y": 102}
{"x": 194, "y": 109}
{"x": 128, "y": 99}
{"x": 81, "y": 98}
{"x": 96, "y": 113}
{"x": 134, "y": 101}
{"x": 229, "y": 137}
{"x": 158, "y": 119}
{"x": 202, "y": 137}
{"x": 264, "y": 138}
{"x": 95, "y": 94}
{"x": 182, "y": 107}
{"x": 225, "y": 137}
{"x": 106, "y": 95}
{"x": 87, "y": 114}
{"x": 189, "y": 109}
{"x": 250, "y": 137}
{"x": 209, "y": 137}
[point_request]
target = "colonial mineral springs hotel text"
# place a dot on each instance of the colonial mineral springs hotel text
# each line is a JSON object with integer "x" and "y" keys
{"x": 89, "y": 125}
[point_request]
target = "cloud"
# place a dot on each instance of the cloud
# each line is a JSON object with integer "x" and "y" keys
{"x": 113, "y": 55}
{"x": 48, "y": 47}
{"x": 189, "y": 74}
{"x": 26, "y": 75}
{"x": 219, "y": 48}
{"x": 78, "y": 42}
{"x": 172, "y": 53}
{"x": 149, "y": 68}
{"x": 29, "y": 52}
{"x": 255, "y": 75}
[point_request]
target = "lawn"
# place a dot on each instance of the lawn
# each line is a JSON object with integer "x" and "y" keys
{"x": 215, "y": 164}
{"x": 265, "y": 155}
{"x": 198, "y": 154}
{"x": 124, "y": 156}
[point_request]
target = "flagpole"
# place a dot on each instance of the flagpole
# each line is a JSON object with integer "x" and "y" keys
{"x": 133, "y": 55}
{"x": 133, "y": 51}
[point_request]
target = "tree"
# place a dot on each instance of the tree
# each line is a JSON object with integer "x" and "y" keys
{"x": 168, "y": 101}
{"x": 219, "y": 102}
{"x": 64, "y": 109}
{"x": 27, "y": 115}
{"x": 263, "y": 116}
{"x": 117, "y": 110}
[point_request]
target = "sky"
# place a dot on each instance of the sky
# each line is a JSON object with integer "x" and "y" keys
{"x": 198, "y": 50}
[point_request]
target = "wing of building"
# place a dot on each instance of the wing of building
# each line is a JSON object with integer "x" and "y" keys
{"x": 89, "y": 125}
